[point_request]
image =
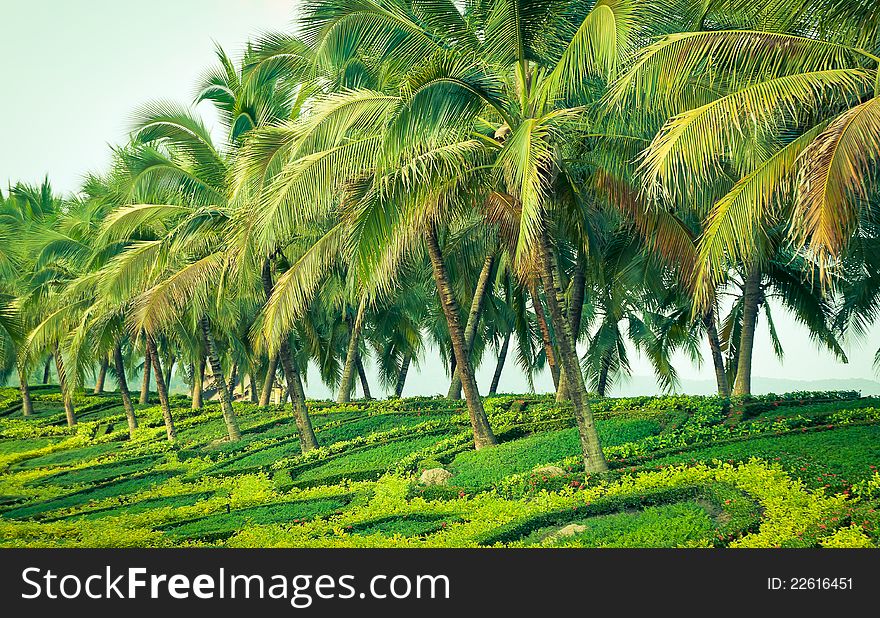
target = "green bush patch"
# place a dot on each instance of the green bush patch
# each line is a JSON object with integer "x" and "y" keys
{"x": 7, "y": 447}
{"x": 143, "y": 506}
{"x": 70, "y": 456}
{"x": 833, "y": 459}
{"x": 99, "y": 473}
{"x": 669, "y": 525}
{"x": 730, "y": 512}
{"x": 84, "y": 496}
{"x": 405, "y": 525}
{"x": 223, "y": 525}
{"x": 486, "y": 467}
{"x": 360, "y": 463}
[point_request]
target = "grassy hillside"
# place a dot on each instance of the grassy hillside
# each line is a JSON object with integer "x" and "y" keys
{"x": 793, "y": 470}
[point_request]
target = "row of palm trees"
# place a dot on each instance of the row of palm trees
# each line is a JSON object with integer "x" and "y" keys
{"x": 470, "y": 177}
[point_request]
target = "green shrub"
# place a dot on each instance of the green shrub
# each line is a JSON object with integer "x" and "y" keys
{"x": 405, "y": 525}
{"x": 22, "y": 446}
{"x": 142, "y": 506}
{"x": 99, "y": 473}
{"x": 681, "y": 524}
{"x": 362, "y": 463}
{"x": 486, "y": 467}
{"x": 222, "y": 525}
{"x": 71, "y": 456}
{"x": 831, "y": 460}
{"x": 85, "y": 496}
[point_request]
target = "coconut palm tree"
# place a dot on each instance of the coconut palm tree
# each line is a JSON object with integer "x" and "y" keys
{"x": 493, "y": 89}
{"x": 780, "y": 100}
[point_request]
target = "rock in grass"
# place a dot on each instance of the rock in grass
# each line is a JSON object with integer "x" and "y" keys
{"x": 435, "y": 476}
{"x": 567, "y": 531}
{"x": 549, "y": 471}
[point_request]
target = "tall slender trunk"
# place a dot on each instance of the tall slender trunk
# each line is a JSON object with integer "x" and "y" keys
{"x": 578, "y": 290}
{"x": 255, "y": 396}
{"x": 269, "y": 382}
{"x": 473, "y": 321}
{"x": 751, "y": 304}
{"x": 305, "y": 431}
{"x": 65, "y": 391}
{"x": 169, "y": 370}
{"x": 307, "y": 439}
{"x": 127, "y": 405}
{"x": 401, "y": 376}
{"x": 27, "y": 406}
{"x": 233, "y": 379}
{"x": 562, "y": 388}
{"x": 575, "y": 314}
{"x": 483, "y": 435}
{"x": 362, "y": 374}
{"x": 717, "y": 356}
{"x": 354, "y": 337}
{"x": 46, "y": 370}
{"x": 594, "y": 459}
{"x": 502, "y": 357}
{"x": 220, "y": 381}
{"x": 602, "y": 384}
{"x": 198, "y": 386}
{"x": 162, "y": 389}
{"x": 145, "y": 384}
{"x": 545, "y": 332}
{"x": 102, "y": 377}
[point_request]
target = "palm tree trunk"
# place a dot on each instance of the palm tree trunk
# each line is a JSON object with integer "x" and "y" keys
{"x": 473, "y": 321}
{"x": 751, "y": 304}
{"x": 220, "y": 381}
{"x": 594, "y": 459}
{"x": 562, "y": 388}
{"x": 255, "y": 396}
{"x": 46, "y": 370}
{"x": 502, "y": 357}
{"x": 602, "y": 384}
{"x": 351, "y": 354}
{"x": 27, "y": 406}
{"x": 65, "y": 392}
{"x": 102, "y": 377}
{"x": 578, "y": 289}
{"x": 483, "y": 435}
{"x": 169, "y": 370}
{"x": 198, "y": 383}
{"x": 145, "y": 384}
{"x": 307, "y": 439}
{"x": 401, "y": 376}
{"x": 362, "y": 374}
{"x": 123, "y": 389}
{"x": 545, "y": 332}
{"x": 717, "y": 356}
{"x": 269, "y": 383}
{"x": 233, "y": 379}
{"x": 161, "y": 388}
{"x": 575, "y": 314}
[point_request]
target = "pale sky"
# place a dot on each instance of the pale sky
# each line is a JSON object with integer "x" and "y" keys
{"x": 73, "y": 71}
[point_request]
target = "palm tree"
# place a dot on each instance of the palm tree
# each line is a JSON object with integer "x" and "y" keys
{"x": 784, "y": 104}
{"x": 452, "y": 75}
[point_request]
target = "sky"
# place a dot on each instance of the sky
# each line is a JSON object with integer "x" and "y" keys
{"x": 72, "y": 73}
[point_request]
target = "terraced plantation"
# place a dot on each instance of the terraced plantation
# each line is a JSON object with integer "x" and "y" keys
{"x": 796, "y": 470}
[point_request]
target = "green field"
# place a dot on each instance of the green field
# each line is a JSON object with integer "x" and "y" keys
{"x": 791, "y": 471}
